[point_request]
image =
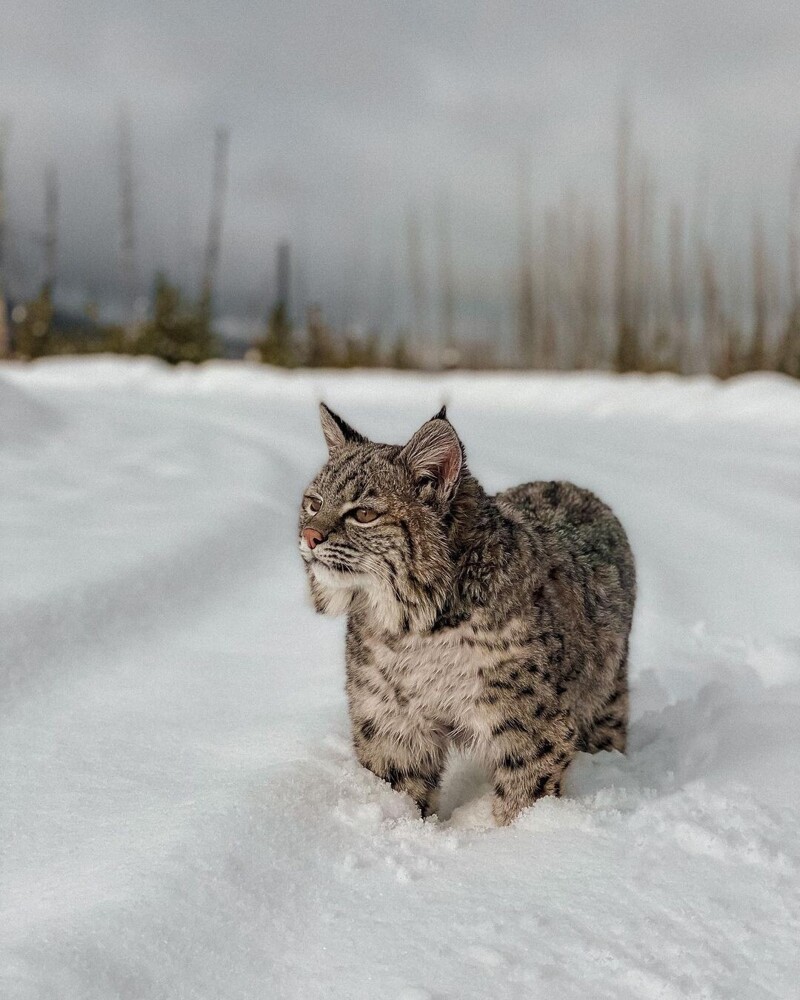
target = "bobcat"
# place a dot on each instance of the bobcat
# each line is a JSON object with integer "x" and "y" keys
{"x": 497, "y": 623}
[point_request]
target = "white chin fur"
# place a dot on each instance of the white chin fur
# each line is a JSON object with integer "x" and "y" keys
{"x": 338, "y": 590}
{"x": 332, "y": 578}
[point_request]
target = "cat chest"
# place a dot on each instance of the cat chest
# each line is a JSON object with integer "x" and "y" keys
{"x": 442, "y": 676}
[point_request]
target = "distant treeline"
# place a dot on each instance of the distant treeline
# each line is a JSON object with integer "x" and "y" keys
{"x": 179, "y": 330}
{"x": 637, "y": 293}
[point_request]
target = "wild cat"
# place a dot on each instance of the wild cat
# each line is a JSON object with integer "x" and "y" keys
{"x": 498, "y": 623}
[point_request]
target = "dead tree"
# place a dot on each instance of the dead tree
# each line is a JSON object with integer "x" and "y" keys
{"x": 552, "y": 291}
{"x": 642, "y": 295}
{"x": 215, "y": 218}
{"x": 447, "y": 334}
{"x": 711, "y": 306}
{"x": 570, "y": 267}
{"x": 526, "y": 331}
{"x": 5, "y": 333}
{"x": 419, "y": 298}
{"x": 51, "y": 228}
{"x": 758, "y": 342}
{"x": 677, "y": 291}
{"x": 127, "y": 237}
{"x": 789, "y": 353}
{"x": 627, "y": 348}
{"x": 589, "y": 294}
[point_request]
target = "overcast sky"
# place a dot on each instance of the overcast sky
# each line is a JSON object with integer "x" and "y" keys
{"x": 345, "y": 115}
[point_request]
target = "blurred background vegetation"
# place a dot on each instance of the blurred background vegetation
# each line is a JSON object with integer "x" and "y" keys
{"x": 418, "y": 217}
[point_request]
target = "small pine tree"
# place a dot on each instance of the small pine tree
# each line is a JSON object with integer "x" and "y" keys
{"x": 33, "y": 335}
{"x": 321, "y": 351}
{"x": 277, "y": 348}
{"x": 400, "y": 356}
{"x": 176, "y": 332}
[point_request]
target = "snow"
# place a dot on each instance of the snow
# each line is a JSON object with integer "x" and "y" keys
{"x": 181, "y": 813}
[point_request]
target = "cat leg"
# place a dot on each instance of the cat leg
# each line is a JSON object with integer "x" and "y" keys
{"x": 529, "y": 762}
{"x": 410, "y": 757}
{"x": 610, "y": 727}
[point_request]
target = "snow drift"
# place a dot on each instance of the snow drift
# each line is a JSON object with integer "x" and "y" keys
{"x": 181, "y": 812}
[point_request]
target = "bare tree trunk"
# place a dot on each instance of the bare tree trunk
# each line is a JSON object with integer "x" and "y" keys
{"x": 626, "y": 354}
{"x": 214, "y": 238}
{"x": 711, "y": 309}
{"x": 760, "y": 297}
{"x": 677, "y": 290}
{"x": 552, "y": 294}
{"x": 5, "y": 333}
{"x": 418, "y": 290}
{"x": 51, "y": 227}
{"x": 449, "y": 353}
{"x": 127, "y": 238}
{"x": 587, "y": 354}
{"x": 789, "y": 356}
{"x": 570, "y": 258}
{"x": 794, "y": 234}
{"x": 526, "y": 320}
{"x": 641, "y": 307}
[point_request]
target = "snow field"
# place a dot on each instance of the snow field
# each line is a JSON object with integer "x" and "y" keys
{"x": 180, "y": 811}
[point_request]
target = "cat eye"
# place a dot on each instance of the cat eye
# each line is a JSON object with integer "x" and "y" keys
{"x": 365, "y": 514}
{"x": 313, "y": 504}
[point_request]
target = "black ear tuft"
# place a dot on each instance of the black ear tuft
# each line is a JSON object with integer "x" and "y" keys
{"x": 441, "y": 415}
{"x": 337, "y": 432}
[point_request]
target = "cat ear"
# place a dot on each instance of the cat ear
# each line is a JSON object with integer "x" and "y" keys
{"x": 434, "y": 452}
{"x": 337, "y": 432}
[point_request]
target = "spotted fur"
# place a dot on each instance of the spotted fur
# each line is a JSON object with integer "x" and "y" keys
{"x": 498, "y": 623}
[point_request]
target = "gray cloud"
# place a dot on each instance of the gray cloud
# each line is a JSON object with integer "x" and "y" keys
{"x": 344, "y": 114}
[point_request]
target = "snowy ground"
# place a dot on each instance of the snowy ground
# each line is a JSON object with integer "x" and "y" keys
{"x": 181, "y": 813}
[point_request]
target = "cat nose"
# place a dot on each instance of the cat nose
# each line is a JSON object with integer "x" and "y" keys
{"x": 312, "y": 537}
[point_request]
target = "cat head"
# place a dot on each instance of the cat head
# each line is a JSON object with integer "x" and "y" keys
{"x": 373, "y": 523}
